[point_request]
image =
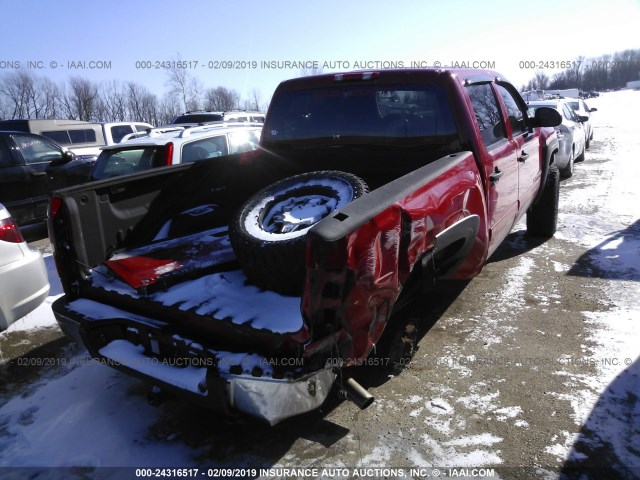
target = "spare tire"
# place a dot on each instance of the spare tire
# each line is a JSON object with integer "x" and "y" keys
{"x": 268, "y": 234}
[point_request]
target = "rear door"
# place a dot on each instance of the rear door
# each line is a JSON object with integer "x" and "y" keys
{"x": 502, "y": 162}
{"x": 46, "y": 170}
{"x": 577, "y": 129}
{"x": 15, "y": 184}
{"x": 527, "y": 144}
{"x": 37, "y": 154}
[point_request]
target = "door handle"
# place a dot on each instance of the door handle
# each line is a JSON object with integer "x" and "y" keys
{"x": 523, "y": 157}
{"x": 495, "y": 176}
{"x": 38, "y": 174}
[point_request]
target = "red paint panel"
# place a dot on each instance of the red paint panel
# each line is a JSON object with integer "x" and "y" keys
{"x": 380, "y": 255}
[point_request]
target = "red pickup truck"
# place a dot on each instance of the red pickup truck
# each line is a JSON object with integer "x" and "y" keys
{"x": 247, "y": 282}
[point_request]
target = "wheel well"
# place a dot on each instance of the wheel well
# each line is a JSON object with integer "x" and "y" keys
{"x": 451, "y": 248}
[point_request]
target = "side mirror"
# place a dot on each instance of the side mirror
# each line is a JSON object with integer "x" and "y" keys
{"x": 593, "y": 110}
{"x": 583, "y": 118}
{"x": 545, "y": 117}
{"x": 65, "y": 157}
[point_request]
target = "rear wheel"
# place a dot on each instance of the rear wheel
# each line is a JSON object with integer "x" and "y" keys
{"x": 398, "y": 344}
{"x": 542, "y": 218}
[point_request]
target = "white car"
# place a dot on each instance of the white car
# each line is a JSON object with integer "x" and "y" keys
{"x": 571, "y": 134}
{"x": 23, "y": 276}
{"x": 581, "y": 108}
{"x": 175, "y": 144}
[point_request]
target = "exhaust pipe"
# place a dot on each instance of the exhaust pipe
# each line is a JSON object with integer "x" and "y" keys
{"x": 356, "y": 393}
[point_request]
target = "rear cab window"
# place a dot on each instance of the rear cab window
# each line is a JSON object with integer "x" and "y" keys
{"x": 115, "y": 162}
{"x": 363, "y": 113}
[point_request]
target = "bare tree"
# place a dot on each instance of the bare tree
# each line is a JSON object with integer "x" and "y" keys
{"x": 574, "y": 72}
{"x": 221, "y": 99}
{"x": 140, "y": 103}
{"x": 112, "y": 104}
{"x": 254, "y": 102}
{"x": 168, "y": 109}
{"x": 50, "y": 98}
{"x": 81, "y": 99}
{"x": 186, "y": 87}
{"x": 540, "y": 80}
{"x": 15, "y": 87}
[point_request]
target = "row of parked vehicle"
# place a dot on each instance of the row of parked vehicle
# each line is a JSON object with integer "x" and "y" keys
{"x": 574, "y": 133}
{"x": 41, "y": 156}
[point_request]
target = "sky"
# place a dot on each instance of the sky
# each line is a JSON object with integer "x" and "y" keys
{"x": 226, "y": 43}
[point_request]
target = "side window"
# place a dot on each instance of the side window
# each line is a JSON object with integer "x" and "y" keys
{"x": 141, "y": 128}
{"x": 487, "y": 113}
{"x": 243, "y": 141}
{"x": 36, "y": 150}
{"x": 568, "y": 114}
{"x": 119, "y": 131}
{"x": 82, "y": 136}
{"x": 59, "y": 136}
{"x": 517, "y": 118}
{"x": 203, "y": 149}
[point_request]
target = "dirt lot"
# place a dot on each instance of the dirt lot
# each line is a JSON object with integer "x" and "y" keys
{"x": 531, "y": 368}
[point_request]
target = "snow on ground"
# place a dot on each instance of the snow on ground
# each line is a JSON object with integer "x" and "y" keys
{"x": 84, "y": 418}
{"x": 607, "y": 406}
{"x": 84, "y": 415}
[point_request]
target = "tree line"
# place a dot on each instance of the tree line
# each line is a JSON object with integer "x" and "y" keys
{"x": 607, "y": 72}
{"x": 24, "y": 94}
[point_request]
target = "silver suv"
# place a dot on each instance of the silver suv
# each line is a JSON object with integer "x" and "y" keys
{"x": 175, "y": 144}
{"x": 203, "y": 116}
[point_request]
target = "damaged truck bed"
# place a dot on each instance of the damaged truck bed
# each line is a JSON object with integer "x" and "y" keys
{"x": 247, "y": 282}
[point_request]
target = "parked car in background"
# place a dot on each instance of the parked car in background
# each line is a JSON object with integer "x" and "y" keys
{"x": 31, "y": 167}
{"x": 580, "y": 107}
{"x": 82, "y": 138}
{"x": 175, "y": 144}
{"x": 571, "y": 134}
{"x": 204, "y": 116}
{"x": 23, "y": 276}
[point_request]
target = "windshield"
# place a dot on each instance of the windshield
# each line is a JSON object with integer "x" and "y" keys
{"x": 375, "y": 114}
{"x": 198, "y": 118}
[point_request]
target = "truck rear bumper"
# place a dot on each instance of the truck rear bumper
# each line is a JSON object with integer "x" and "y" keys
{"x": 227, "y": 382}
